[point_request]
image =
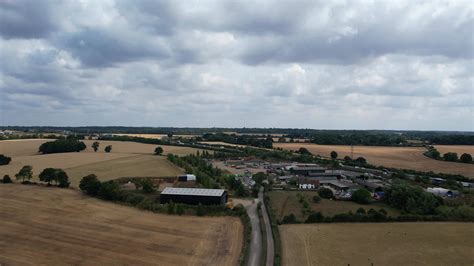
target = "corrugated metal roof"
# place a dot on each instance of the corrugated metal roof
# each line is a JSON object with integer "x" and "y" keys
{"x": 193, "y": 191}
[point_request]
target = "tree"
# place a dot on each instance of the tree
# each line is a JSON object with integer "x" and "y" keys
{"x": 48, "y": 175}
{"x": 108, "y": 148}
{"x": 159, "y": 150}
{"x": 333, "y": 155}
{"x": 315, "y": 217}
{"x": 7, "y": 179}
{"x": 62, "y": 179}
{"x": 347, "y": 159}
{"x": 62, "y": 145}
{"x": 325, "y": 193}
{"x": 95, "y": 146}
{"x": 466, "y": 158}
{"x": 305, "y": 151}
{"x": 361, "y": 196}
{"x": 361, "y": 160}
{"x": 4, "y": 160}
{"x": 289, "y": 219}
{"x": 170, "y": 135}
{"x": 26, "y": 172}
{"x": 109, "y": 190}
{"x": 90, "y": 185}
{"x": 411, "y": 199}
{"x": 147, "y": 186}
{"x": 450, "y": 156}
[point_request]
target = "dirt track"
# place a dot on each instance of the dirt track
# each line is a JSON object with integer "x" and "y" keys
{"x": 397, "y": 157}
{"x": 53, "y": 226}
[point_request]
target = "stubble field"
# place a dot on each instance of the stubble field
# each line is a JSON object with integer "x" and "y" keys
{"x": 378, "y": 244}
{"x": 126, "y": 159}
{"x": 52, "y": 226}
{"x": 459, "y": 149}
{"x": 397, "y": 157}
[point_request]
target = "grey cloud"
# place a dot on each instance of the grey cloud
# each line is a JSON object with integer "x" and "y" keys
{"x": 26, "y": 19}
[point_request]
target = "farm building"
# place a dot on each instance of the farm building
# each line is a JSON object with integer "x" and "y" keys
{"x": 185, "y": 178}
{"x": 194, "y": 196}
{"x": 309, "y": 170}
{"x": 442, "y": 192}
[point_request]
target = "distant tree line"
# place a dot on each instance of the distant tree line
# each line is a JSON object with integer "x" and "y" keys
{"x": 250, "y": 140}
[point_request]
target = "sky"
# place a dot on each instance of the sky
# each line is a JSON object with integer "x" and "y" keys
{"x": 300, "y": 64}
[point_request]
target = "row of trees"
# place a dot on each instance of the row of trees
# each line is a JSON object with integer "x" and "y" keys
{"x": 62, "y": 145}
{"x": 256, "y": 141}
{"x": 449, "y": 156}
{"x": 48, "y": 175}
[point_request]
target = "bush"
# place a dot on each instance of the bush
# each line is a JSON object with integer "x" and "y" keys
{"x": 289, "y": 219}
{"x": 315, "y": 217}
{"x": 466, "y": 158}
{"x": 325, "y": 193}
{"x": 4, "y": 160}
{"x": 147, "y": 186}
{"x": 158, "y": 150}
{"x": 90, "y": 185}
{"x": 7, "y": 179}
{"x": 316, "y": 199}
{"x": 361, "y": 196}
{"x": 108, "y": 148}
{"x": 110, "y": 190}
{"x": 450, "y": 156}
{"x": 411, "y": 199}
{"x": 333, "y": 155}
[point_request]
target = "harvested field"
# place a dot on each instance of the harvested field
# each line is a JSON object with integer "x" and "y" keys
{"x": 459, "y": 149}
{"x": 222, "y": 143}
{"x": 286, "y": 203}
{"x": 126, "y": 159}
{"x": 138, "y": 148}
{"x": 21, "y": 147}
{"x": 51, "y": 226}
{"x": 378, "y": 244}
{"x": 397, "y": 157}
{"x": 132, "y": 166}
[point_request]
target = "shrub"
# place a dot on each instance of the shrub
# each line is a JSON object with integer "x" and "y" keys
{"x": 7, "y": 179}
{"x": 158, "y": 150}
{"x": 361, "y": 196}
{"x": 333, "y": 155}
{"x": 4, "y": 160}
{"x": 325, "y": 193}
{"x": 90, "y": 185}
{"x": 108, "y": 148}
{"x": 179, "y": 209}
{"x": 450, "y": 156}
{"x": 109, "y": 190}
{"x": 411, "y": 199}
{"x": 466, "y": 158}
{"x": 289, "y": 219}
{"x": 316, "y": 199}
{"x": 147, "y": 186}
{"x": 315, "y": 217}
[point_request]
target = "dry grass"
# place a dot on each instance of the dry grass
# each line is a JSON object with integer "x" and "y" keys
{"x": 459, "y": 149}
{"x": 397, "y": 157}
{"x": 286, "y": 202}
{"x": 51, "y": 226}
{"x": 21, "y": 147}
{"x": 378, "y": 244}
{"x": 126, "y": 159}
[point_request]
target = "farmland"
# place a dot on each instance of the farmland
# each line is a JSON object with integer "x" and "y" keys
{"x": 126, "y": 159}
{"x": 51, "y": 226}
{"x": 397, "y": 157}
{"x": 286, "y": 202}
{"x": 154, "y": 136}
{"x": 378, "y": 244}
{"x": 459, "y": 149}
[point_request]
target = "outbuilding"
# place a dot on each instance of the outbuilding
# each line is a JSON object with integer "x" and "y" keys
{"x": 185, "y": 178}
{"x": 194, "y": 196}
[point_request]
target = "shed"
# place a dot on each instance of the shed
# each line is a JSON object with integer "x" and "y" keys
{"x": 194, "y": 196}
{"x": 187, "y": 177}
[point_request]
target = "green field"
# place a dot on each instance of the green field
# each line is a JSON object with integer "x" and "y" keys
{"x": 286, "y": 202}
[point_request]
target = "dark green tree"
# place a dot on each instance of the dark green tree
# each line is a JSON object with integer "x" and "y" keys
{"x": 7, "y": 179}
{"x": 325, "y": 193}
{"x": 26, "y": 172}
{"x": 95, "y": 146}
{"x": 450, "y": 156}
{"x": 62, "y": 178}
{"x": 109, "y": 190}
{"x": 159, "y": 150}
{"x": 333, "y": 155}
{"x": 90, "y": 185}
{"x": 466, "y": 158}
{"x": 315, "y": 217}
{"x": 108, "y": 148}
{"x": 48, "y": 175}
{"x": 361, "y": 196}
{"x": 4, "y": 160}
{"x": 147, "y": 186}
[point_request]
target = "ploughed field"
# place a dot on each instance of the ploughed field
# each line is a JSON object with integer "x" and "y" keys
{"x": 378, "y": 244}
{"x": 53, "y": 226}
{"x": 397, "y": 157}
{"x": 127, "y": 159}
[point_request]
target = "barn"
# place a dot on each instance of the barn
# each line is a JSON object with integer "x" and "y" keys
{"x": 187, "y": 177}
{"x": 194, "y": 196}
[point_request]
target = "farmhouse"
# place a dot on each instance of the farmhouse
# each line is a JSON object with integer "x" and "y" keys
{"x": 194, "y": 196}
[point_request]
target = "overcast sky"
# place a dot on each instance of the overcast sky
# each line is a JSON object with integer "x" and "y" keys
{"x": 304, "y": 64}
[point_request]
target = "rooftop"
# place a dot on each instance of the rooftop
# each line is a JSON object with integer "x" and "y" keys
{"x": 192, "y": 191}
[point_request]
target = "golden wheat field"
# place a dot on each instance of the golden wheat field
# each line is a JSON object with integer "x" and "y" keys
{"x": 459, "y": 149}
{"x": 126, "y": 159}
{"x": 378, "y": 244}
{"x": 154, "y": 136}
{"x": 53, "y": 226}
{"x": 397, "y": 157}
